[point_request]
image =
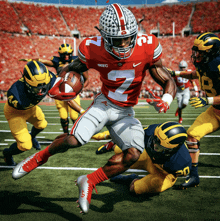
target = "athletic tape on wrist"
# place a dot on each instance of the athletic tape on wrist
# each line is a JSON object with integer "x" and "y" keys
{"x": 167, "y": 98}
{"x": 210, "y": 100}
{"x": 177, "y": 73}
{"x": 82, "y": 111}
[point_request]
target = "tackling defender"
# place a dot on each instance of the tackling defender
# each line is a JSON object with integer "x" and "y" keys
{"x": 21, "y": 107}
{"x": 64, "y": 107}
{"x": 122, "y": 57}
{"x": 206, "y": 59}
{"x": 166, "y": 157}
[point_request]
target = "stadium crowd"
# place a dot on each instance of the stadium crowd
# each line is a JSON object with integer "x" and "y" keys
{"x": 21, "y": 35}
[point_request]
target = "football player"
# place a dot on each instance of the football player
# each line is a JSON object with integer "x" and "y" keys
{"x": 21, "y": 107}
{"x": 183, "y": 92}
{"x": 64, "y": 107}
{"x": 206, "y": 59}
{"x": 165, "y": 157}
{"x": 122, "y": 57}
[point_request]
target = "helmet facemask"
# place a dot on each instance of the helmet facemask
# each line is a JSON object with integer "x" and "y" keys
{"x": 64, "y": 51}
{"x": 167, "y": 139}
{"x": 116, "y": 24}
{"x": 38, "y": 92}
{"x": 160, "y": 149}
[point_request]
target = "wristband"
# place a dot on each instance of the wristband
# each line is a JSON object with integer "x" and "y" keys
{"x": 82, "y": 111}
{"x": 195, "y": 88}
{"x": 210, "y": 100}
{"x": 167, "y": 98}
{"x": 177, "y": 73}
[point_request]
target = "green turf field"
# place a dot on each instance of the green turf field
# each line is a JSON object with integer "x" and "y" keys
{"x": 49, "y": 193}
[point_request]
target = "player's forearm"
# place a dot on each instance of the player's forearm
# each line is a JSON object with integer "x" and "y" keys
{"x": 164, "y": 79}
{"x": 63, "y": 71}
{"x": 186, "y": 74}
{"x": 73, "y": 104}
{"x": 213, "y": 100}
{"x": 77, "y": 66}
{"x": 86, "y": 78}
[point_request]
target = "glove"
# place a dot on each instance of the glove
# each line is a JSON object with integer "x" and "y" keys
{"x": 159, "y": 105}
{"x": 102, "y": 136}
{"x": 198, "y": 102}
{"x": 55, "y": 93}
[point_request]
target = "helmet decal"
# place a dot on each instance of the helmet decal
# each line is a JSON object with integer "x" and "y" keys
{"x": 170, "y": 134}
{"x": 206, "y": 46}
{"x": 37, "y": 79}
{"x": 118, "y": 22}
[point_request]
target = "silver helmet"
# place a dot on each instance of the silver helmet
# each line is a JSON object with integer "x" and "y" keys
{"x": 115, "y": 23}
{"x": 183, "y": 64}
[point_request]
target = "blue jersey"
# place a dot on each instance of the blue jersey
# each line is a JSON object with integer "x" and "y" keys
{"x": 209, "y": 74}
{"x": 58, "y": 63}
{"x": 178, "y": 164}
{"x": 19, "y": 98}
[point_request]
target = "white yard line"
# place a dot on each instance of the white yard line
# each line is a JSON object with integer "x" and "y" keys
{"x": 93, "y": 169}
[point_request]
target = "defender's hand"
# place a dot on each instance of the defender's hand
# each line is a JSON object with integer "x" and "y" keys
{"x": 198, "y": 102}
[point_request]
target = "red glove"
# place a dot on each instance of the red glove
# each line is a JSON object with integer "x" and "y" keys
{"x": 158, "y": 103}
{"x": 55, "y": 93}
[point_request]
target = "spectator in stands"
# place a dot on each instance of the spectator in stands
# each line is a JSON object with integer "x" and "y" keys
{"x": 64, "y": 107}
{"x": 183, "y": 92}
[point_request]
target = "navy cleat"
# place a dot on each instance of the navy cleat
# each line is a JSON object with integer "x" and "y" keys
{"x": 124, "y": 179}
{"x": 191, "y": 181}
{"x": 8, "y": 158}
{"x": 105, "y": 148}
{"x": 36, "y": 144}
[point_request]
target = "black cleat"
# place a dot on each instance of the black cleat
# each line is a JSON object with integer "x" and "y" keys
{"x": 8, "y": 158}
{"x": 36, "y": 144}
{"x": 191, "y": 181}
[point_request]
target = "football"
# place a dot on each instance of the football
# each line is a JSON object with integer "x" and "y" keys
{"x": 73, "y": 82}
